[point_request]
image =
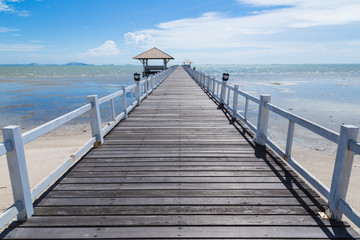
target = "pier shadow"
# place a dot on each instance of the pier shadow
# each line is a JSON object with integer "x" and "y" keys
{"x": 290, "y": 179}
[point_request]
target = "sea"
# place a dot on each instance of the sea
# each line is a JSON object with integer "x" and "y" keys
{"x": 328, "y": 95}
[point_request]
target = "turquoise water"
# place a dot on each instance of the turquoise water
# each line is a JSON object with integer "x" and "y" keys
{"x": 31, "y": 95}
{"x": 326, "y": 94}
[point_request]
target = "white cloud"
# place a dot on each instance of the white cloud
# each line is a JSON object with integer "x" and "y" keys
{"x": 217, "y": 30}
{"x": 4, "y": 7}
{"x": 109, "y": 48}
{"x": 138, "y": 38}
{"x": 4, "y": 29}
{"x": 20, "y": 47}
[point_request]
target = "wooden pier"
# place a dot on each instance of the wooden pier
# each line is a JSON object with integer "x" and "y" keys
{"x": 179, "y": 168}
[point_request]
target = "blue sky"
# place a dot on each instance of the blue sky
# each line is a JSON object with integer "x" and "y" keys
{"x": 205, "y": 31}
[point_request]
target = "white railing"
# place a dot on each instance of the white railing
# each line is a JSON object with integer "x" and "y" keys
{"x": 14, "y": 140}
{"x": 346, "y": 140}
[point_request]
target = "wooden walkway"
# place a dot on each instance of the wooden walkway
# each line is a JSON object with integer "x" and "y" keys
{"x": 179, "y": 168}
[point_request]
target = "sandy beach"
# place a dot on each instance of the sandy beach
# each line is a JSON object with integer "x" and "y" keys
{"x": 43, "y": 155}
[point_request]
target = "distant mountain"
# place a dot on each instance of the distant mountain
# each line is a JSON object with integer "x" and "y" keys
{"x": 77, "y": 64}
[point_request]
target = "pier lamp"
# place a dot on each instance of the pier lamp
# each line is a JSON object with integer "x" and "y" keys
{"x": 225, "y": 77}
{"x": 137, "y": 77}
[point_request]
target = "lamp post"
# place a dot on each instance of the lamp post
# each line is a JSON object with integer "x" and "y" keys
{"x": 137, "y": 77}
{"x": 225, "y": 78}
{"x": 137, "y": 89}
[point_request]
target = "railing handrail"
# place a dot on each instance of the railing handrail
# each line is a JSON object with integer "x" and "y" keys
{"x": 346, "y": 141}
{"x": 22, "y": 208}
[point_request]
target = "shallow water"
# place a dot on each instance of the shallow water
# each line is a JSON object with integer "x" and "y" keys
{"x": 32, "y": 95}
{"x": 325, "y": 94}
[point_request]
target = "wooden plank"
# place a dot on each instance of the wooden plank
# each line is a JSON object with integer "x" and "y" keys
{"x": 179, "y": 179}
{"x": 187, "y": 173}
{"x": 144, "y": 164}
{"x": 179, "y": 168}
{"x": 171, "y": 210}
{"x": 184, "y": 232}
{"x": 177, "y": 201}
{"x": 143, "y": 185}
{"x": 183, "y": 220}
{"x": 183, "y": 192}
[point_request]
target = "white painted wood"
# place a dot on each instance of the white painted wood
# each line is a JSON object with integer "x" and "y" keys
{"x": 131, "y": 87}
{"x": 95, "y": 119}
{"x": 246, "y": 109}
{"x": 132, "y": 106}
{"x": 322, "y": 131}
{"x": 137, "y": 93}
{"x": 112, "y": 106}
{"x": 228, "y": 97}
{"x": 342, "y": 169}
{"x": 152, "y": 84}
{"x": 349, "y": 212}
{"x": 5, "y": 147}
{"x": 47, "y": 127}
{"x": 44, "y": 184}
{"x": 289, "y": 139}
{"x": 124, "y": 101}
{"x": 251, "y": 97}
{"x": 145, "y": 88}
{"x": 18, "y": 171}
{"x": 354, "y": 146}
{"x": 109, "y": 97}
{"x": 132, "y": 95}
{"x": 207, "y": 83}
{"x": 263, "y": 120}
{"x": 235, "y": 101}
{"x": 10, "y": 213}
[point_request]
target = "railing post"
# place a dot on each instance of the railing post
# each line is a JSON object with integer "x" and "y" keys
{"x": 207, "y": 84}
{"x": 112, "y": 105}
{"x": 235, "y": 101}
{"x": 152, "y": 83}
{"x": 95, "y": 119}
{"x": 137, "y": 92}
{"x": 289, "y": 140}
{"x": 246, "y": 109}
{"x": 124, "y": 101}
{"x": 263, "y": 120}
{"x": 222, "y": 94}
{"x": 18, "y": 171}
{"x": 342, "y": 169}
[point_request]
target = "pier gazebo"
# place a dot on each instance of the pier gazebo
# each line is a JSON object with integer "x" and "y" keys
{"x": 155, "y": 54}
{"x": 187, "y": 63}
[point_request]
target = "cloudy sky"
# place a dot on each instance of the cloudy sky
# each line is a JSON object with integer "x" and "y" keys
{"x": 205, "y": 31}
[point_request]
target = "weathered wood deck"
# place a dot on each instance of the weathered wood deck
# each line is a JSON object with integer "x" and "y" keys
{"x": 179, "y": 168}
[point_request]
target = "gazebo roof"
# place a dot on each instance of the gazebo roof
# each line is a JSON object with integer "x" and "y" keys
{"x": 153, "y": 53}
{"x": 187, "y": 61}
